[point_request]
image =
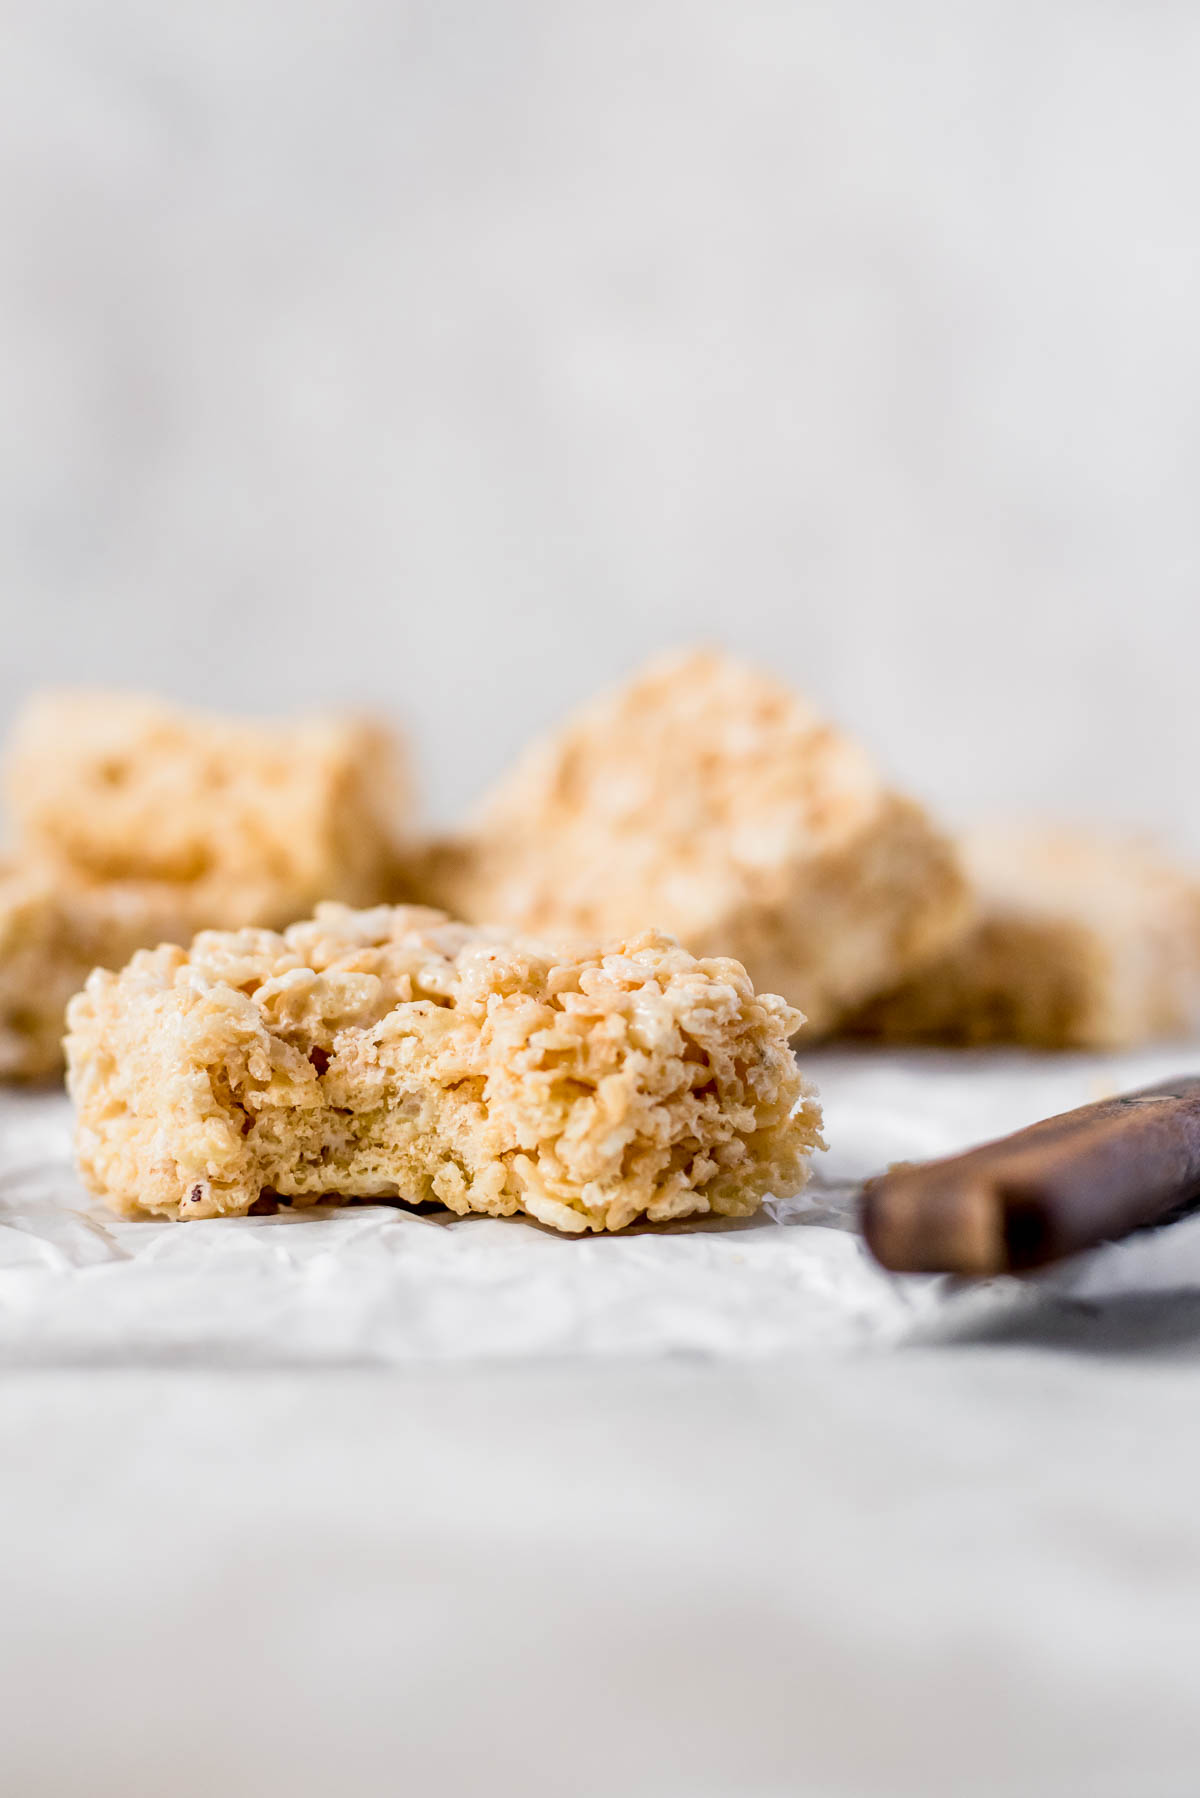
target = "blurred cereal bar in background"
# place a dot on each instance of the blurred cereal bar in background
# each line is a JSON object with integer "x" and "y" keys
{"x": 1081, "y": 942}
{"x": 138, "y": 824}
{"x": 259, "y": 822}
{"x": 53, "y": 932}
{"x": 706, "y": 799}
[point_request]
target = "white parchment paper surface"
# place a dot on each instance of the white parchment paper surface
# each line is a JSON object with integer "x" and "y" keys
{"x": 357, "y": 1501}
{"x": 378, "y": 1284}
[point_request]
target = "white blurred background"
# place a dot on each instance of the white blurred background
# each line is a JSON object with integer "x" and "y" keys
{"x": 452, "y": 356}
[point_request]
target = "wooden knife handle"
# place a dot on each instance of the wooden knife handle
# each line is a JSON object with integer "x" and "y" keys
{"x": 1072, "y": 1181}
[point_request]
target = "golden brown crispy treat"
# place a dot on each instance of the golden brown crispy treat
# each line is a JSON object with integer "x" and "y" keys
{"x": 708, "y": 800}
{"x": 392, "y": 1053}
{"x": 259, "y": 820}
{"x": 1080, "y": 943}
{"x": 52, "y": 934}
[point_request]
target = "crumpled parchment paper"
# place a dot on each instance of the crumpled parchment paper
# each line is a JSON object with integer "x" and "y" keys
{"x": 364, "y": 1284}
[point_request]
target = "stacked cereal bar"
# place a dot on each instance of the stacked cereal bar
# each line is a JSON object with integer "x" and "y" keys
{"x": 53, "y": 932}
{"x": 256, "y": 822}
{"x": 708, "y": 800}
{"x": 395, "y": 1053}
{"x": 138, "y": 824}
{"x": 1080, "y": 943}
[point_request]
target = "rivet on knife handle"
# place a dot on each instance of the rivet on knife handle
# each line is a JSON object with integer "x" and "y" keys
{"x": 1068, "y": 1183}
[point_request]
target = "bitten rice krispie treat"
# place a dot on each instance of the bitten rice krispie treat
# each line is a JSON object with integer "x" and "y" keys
{"x": 260, "y": 821}
{"x": 392, "y": 1053}
{"x": 1080, "y": 943}
{"x": 52, "y": 934}
{"x": 708, "y": 800}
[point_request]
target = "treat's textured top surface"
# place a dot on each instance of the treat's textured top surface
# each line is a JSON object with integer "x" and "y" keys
{"x": 267, "y": 818}
{"x": 697, "y": 780}
{"x": 394, "y": 1053}
{"x": 707, "y": 799}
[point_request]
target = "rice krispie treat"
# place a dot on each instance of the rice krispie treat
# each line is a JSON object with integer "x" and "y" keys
{"x": 260, "y": 821}
{"x": 708, "y": 800}
{"x": 1080, "y": 943}
{"x": 392, "y": 1053}
{"x": 52, "y": 934}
